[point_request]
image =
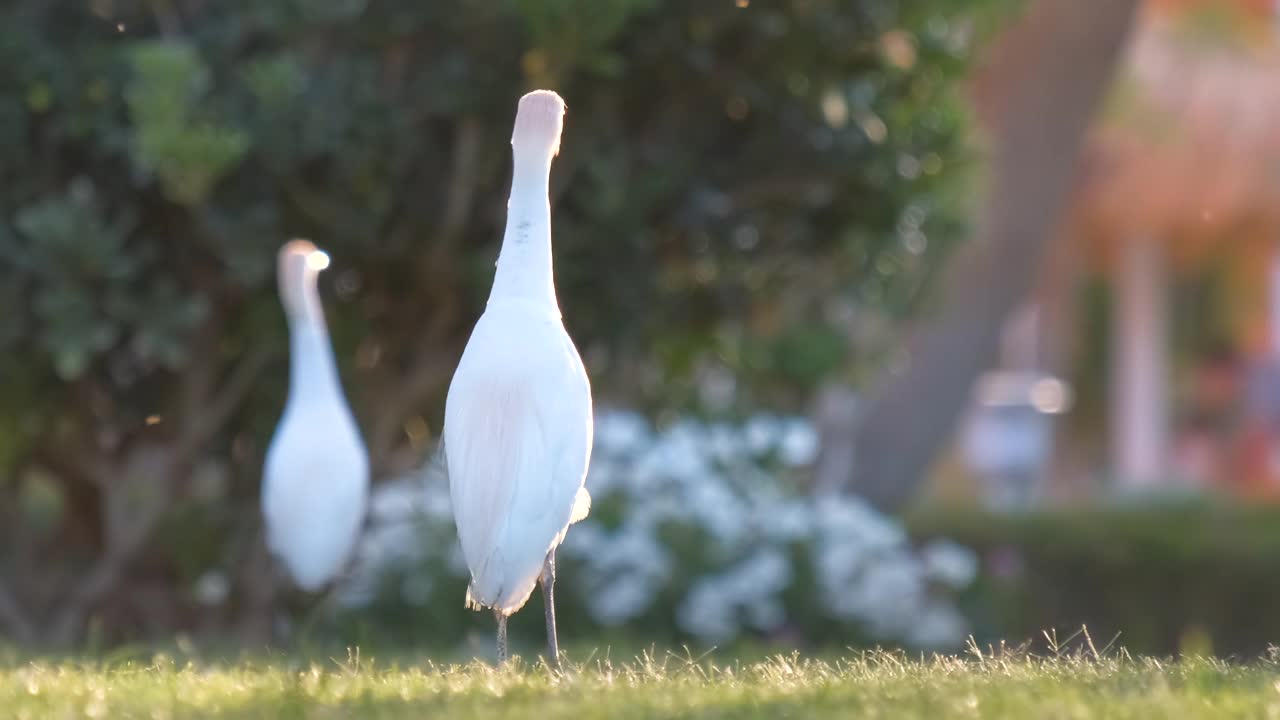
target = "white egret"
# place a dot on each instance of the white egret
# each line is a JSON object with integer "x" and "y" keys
{"x": 517, "y": 430}
{"x": 315, "y": 484}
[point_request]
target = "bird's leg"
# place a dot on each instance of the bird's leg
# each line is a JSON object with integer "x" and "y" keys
{"x": 261, "y": 598}
{"x": 548, "y": 599}
{"x": 315, "y": 609}
{"x": 502, "y": 638}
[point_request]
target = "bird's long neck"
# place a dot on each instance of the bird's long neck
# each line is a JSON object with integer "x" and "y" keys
{"x": 313, "y": 375}
{"x": 524, "y": 264}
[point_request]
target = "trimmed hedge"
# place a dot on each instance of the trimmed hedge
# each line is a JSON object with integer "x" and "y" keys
{"x": 1160, "y": 579}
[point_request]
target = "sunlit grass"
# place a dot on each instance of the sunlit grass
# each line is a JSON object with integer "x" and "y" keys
{"x": 863, "y": 685}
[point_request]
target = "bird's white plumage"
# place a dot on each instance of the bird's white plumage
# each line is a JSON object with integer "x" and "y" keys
{"x": 517, "y": 433}
{"x": 316, "y": 480}
{"x": 517, "y": 440}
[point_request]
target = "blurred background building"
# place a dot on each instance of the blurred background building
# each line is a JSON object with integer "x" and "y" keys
{"x": 1160, "y": 305}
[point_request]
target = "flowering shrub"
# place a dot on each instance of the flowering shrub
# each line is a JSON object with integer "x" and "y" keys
{"x": 699, "y": 531}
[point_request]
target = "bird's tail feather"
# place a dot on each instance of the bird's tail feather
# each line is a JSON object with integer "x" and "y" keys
{"x": 581, "y": 506}
{"x": 471, "y": 602}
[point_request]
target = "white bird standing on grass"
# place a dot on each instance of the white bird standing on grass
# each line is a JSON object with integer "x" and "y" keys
{"x": 517, "y": 429}
{"x": 316, "y": 482}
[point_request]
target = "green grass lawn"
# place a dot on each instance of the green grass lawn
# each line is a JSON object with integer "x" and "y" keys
{"x": 863, "y": 686}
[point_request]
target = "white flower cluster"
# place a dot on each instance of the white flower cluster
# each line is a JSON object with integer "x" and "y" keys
{"x": 713, "y": 514}
{"x": 409, "y": 532}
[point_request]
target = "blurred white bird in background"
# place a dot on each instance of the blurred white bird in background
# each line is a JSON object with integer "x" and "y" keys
{"x": 315, "y": 484}
{"x": 517, "y": 431}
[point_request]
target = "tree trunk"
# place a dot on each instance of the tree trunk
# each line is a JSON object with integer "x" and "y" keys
{"x": 1041, "y": 91}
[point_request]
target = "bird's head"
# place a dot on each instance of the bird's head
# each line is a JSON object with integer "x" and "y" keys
{"x": 297, "y": 265}
{"x": 539, "y": 120}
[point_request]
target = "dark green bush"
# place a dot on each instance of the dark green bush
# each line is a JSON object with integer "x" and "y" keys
{"x": 1164, "y": 579}
{"x": 733, "y": 183}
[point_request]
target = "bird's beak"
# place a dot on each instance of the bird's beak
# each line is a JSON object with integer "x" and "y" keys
{"x": 318, "y": 260}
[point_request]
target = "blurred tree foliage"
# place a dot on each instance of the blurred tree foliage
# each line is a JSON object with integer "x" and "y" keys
{"x": 754, "y": 187}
